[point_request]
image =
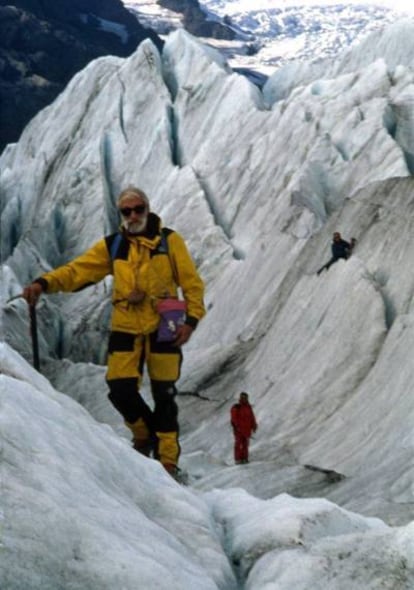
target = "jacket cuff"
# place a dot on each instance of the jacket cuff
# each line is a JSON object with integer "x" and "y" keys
{"x": 42, "y": 282}
{"x": 191, "y": 321}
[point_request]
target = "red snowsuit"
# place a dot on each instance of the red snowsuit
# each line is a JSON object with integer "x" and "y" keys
{"x": 244, "y": 423}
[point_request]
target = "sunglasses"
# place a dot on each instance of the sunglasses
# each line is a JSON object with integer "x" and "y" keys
{"x": 139, "y": 209}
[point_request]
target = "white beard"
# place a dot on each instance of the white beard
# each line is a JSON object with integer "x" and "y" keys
{"x": 135, "y": 227}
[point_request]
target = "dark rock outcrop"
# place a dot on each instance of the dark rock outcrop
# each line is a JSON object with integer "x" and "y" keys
{"x": 195, "y": 20}
{"x": 43, "y": 43}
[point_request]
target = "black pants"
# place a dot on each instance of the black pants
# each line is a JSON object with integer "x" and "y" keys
{"x": 329, "y": 263}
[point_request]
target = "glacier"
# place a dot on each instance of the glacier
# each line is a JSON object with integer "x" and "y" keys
{"x": 256, "y": 182}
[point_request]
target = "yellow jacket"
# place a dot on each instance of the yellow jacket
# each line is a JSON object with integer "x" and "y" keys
{"x": 139, "y": 264}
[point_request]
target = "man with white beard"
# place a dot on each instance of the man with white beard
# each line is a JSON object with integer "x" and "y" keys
{"x": 149, "y": 324}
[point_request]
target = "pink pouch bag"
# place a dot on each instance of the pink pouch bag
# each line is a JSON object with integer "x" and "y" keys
{"x": 172, "y": 312}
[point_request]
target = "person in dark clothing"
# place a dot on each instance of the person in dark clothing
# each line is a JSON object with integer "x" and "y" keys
{"x": 243, "y": 422}
{"x": 340, "y": 249}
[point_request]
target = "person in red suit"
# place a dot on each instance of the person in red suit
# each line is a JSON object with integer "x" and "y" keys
{"x": 243, "y": 422}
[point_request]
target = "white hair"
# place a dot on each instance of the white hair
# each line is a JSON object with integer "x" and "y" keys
{"x": 132, "y": 191}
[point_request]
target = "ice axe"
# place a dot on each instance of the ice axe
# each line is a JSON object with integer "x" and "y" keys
{"x": 33, "y": 335}
{"x": 33, "y": 332}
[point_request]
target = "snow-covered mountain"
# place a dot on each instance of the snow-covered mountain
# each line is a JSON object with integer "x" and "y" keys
{"x": 256, "y": 182}
{"x": 270, "y": 34}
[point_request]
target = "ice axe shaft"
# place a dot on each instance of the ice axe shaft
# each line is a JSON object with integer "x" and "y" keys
{"x": 33, "y": 334}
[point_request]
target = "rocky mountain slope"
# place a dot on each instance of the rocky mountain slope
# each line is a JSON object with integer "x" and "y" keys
{"x": 196, "y": 20}
{"x": 43, "y": 44}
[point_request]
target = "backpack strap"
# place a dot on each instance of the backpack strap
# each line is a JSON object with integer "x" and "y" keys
{"x": 162, "y": 248}
{"x": 115, "y": 245}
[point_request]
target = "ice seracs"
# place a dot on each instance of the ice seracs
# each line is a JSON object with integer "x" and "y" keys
{"x": 257, "y": 185}
{"x": 81, "y": 508}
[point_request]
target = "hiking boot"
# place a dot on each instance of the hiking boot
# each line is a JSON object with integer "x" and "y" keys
{"x": 170, "y": 468}
{"x": 144, "y": 447}
{"x": 176, "y": 473}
